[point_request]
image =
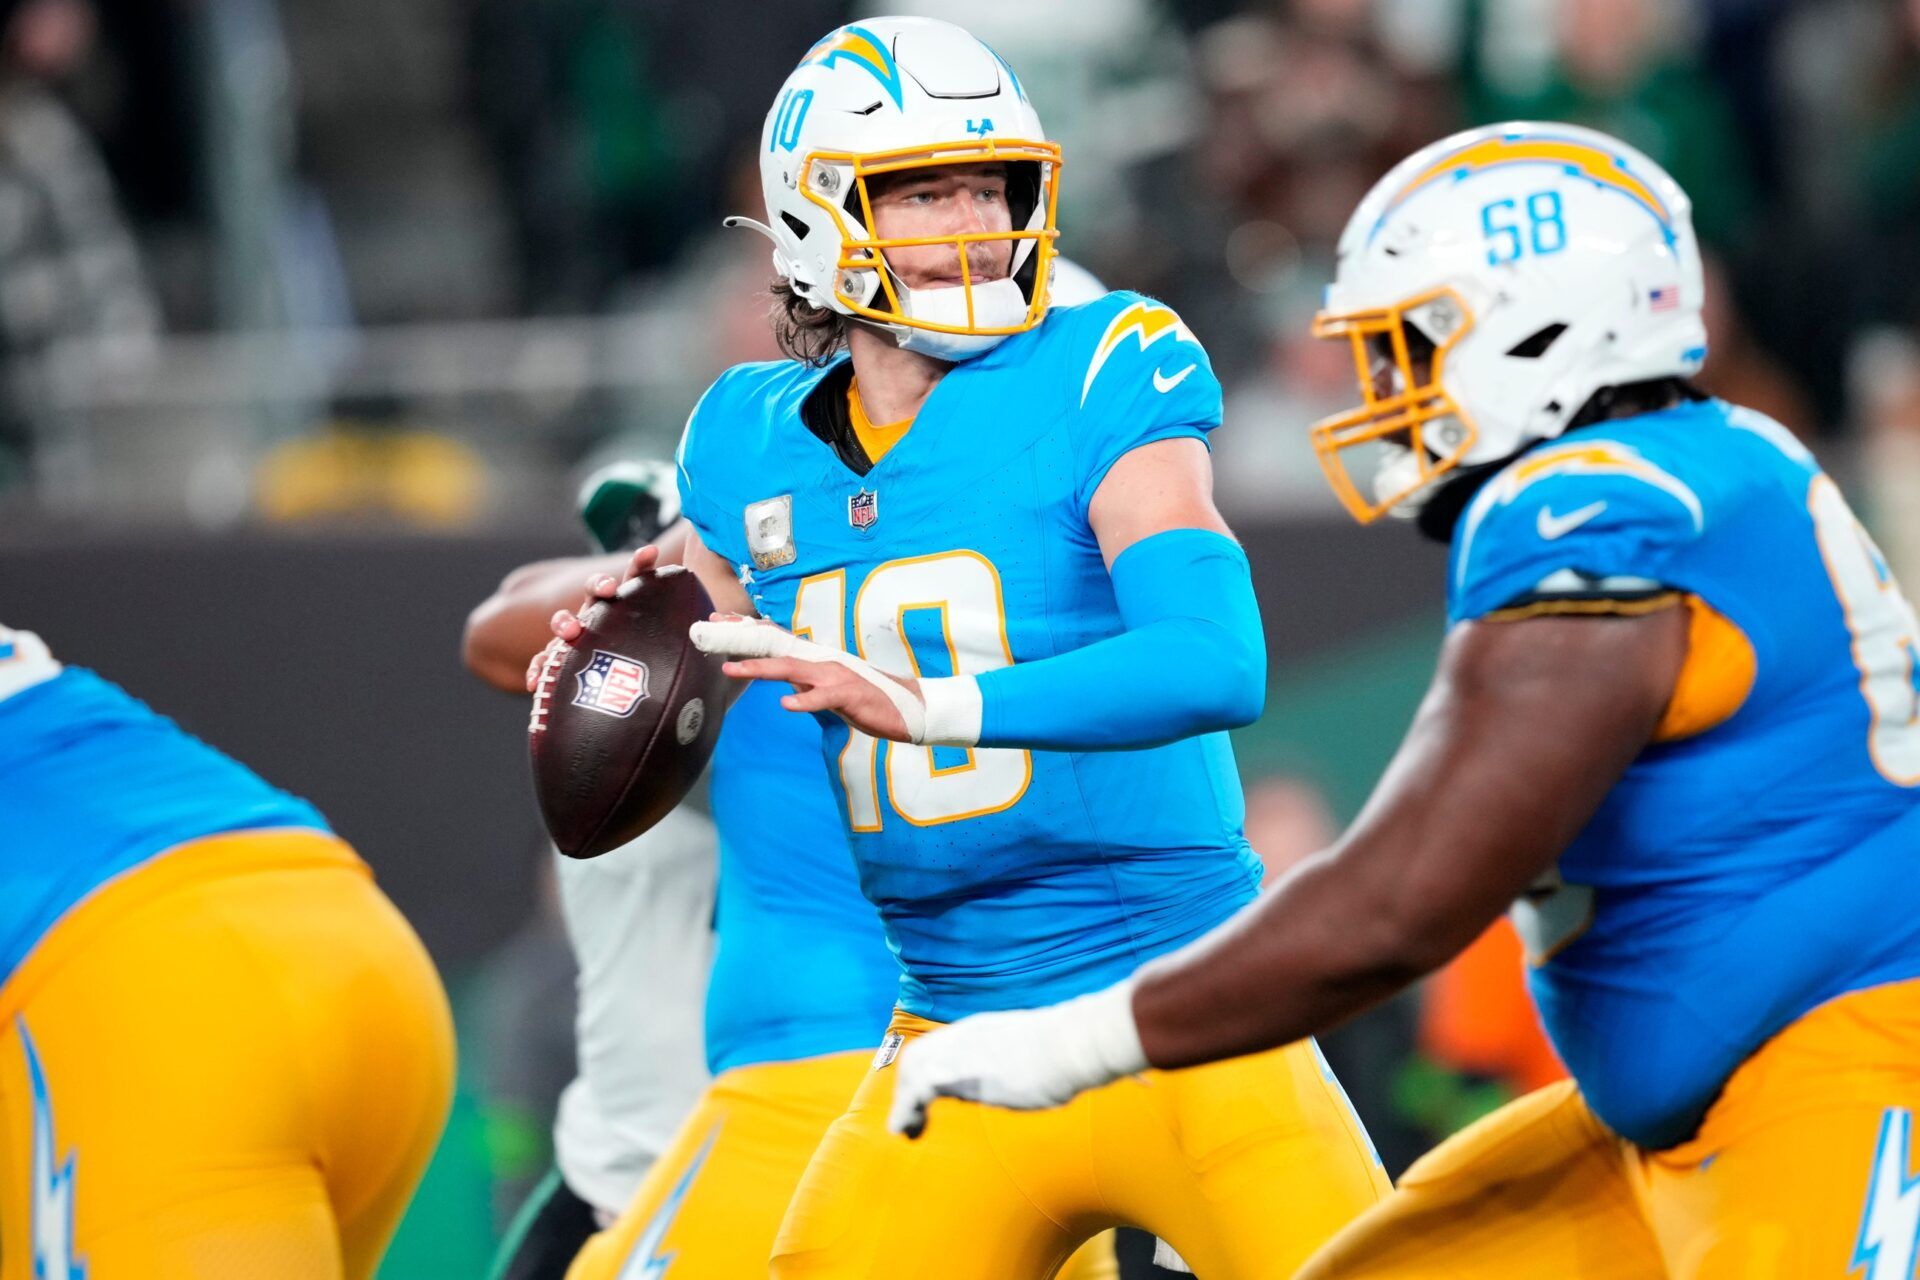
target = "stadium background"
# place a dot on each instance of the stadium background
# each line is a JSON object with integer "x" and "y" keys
{"x": 313, "y": 311}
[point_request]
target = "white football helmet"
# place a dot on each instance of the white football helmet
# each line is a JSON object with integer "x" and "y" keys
{"x": 887, "y": 95}
{"x": 1490, "y": 284}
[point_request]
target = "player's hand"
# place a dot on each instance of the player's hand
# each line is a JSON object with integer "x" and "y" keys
{"x": 828, "y": 686}
{"x": 871, "y": 700}
{"x": 565, "y": 623}
{"x": 1026, "y": 1060}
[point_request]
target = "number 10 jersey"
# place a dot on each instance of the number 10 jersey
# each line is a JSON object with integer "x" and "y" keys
{"x": 1005, "y": 878}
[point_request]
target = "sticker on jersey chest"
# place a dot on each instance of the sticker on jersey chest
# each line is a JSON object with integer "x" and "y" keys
{"x": 863, "y": 509}
{"x": 770, "y": 532}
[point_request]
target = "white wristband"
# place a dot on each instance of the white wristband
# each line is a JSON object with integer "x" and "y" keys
{"x": 953, "y": 711}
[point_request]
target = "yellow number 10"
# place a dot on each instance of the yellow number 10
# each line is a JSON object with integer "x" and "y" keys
{"x": 963, "y": 589}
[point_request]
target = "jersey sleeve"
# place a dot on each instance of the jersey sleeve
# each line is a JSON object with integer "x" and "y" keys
{"x": 1593, "y": 527}
{"x": 1140, "y": 376}
{"x": 697, "y": 466}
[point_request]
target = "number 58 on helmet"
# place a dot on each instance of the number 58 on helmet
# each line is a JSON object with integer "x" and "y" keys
{"x": 1490, "y": 285}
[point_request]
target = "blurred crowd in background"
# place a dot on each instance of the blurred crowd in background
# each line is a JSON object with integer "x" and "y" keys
{"x": 313, "y": 258}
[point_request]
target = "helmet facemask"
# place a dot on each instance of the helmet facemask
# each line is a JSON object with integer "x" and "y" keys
{"x": 970, "y": 317}
{"x": 1408, "y": 430}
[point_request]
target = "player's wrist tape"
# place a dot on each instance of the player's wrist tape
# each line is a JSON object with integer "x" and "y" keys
{"x": 953, "y": 711}
{"x": 949, "y": 716}
{"x": 24, "y": 662}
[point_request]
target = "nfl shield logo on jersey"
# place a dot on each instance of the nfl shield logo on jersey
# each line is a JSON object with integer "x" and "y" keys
{"x": 611, "y": 684}
{"x": 863, "y": 508}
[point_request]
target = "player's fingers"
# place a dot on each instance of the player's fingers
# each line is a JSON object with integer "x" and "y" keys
{"x": 817, "y": 698}
{"x": 565, "y": 625}
{"x": 538, "y": 666}
{"x": 602, "y": 586}
{"x": 643, "y": 559}
{"x": 742, "y": 638}
{"x": 792, "y": 670}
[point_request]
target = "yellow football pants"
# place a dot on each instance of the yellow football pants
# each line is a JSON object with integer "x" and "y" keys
{"x": 714, "y": 1199}
{"x": 1244, "y": 1167}
{"x": 232, "y": 1063}
{"x": 1803, "y": 1170}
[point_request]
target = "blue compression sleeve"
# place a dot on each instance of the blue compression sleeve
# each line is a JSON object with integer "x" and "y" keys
{"x": 1192, "y": 659}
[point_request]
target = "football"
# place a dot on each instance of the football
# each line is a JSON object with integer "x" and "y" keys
{"x": 625, "y": 718}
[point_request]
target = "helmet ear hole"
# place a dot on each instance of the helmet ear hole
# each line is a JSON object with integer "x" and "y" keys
{"x": 1535, "y": 345}
{"x": 795, "y": 225}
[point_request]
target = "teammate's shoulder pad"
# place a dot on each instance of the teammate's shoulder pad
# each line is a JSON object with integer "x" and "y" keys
{"x": 1598, "y": 505}
{"x": 1590, "y": 469}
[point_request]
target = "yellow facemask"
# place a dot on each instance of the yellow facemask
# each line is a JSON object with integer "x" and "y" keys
{"x": 1403, "y": 414}
{"x": 820, "y": 180}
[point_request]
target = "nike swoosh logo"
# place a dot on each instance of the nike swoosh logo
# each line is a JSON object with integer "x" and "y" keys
{"x": 1552, "y": 526}
{"x": 1164, "y": 384}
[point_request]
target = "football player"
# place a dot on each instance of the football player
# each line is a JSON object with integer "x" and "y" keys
{"x": 979, "y": 539}
{"x": 800, "y": 985}
{"x": 639, "y": 921}
{"x": 1676, "y": 720}
{"x": 223, "y": 1053}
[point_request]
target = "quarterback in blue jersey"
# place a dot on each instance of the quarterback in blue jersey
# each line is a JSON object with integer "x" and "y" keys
{"x": 977, "y": 536}
{"x": 1676, "y": 721}
{"x": 223, "y": 1053}
{"x": 801, "y": 979}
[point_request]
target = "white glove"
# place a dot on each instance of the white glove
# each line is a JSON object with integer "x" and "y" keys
{"x": 946, "y": 714}
{"x": 1027, "y": 1060}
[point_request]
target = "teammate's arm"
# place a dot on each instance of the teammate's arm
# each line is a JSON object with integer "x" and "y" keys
{"x": 508, "y": 630}
{"x": 1191, "y": 660}
{"x": 1526, "y": 728}
{"x": 683, "y": 540}
{"x": 509, "y": 627}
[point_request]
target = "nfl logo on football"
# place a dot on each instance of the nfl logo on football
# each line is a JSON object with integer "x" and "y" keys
{"x": 863, "y": 508}
{"x": 611, "y": 684}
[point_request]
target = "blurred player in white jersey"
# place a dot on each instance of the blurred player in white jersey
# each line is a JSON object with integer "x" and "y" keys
{"x": 640, "y": 923}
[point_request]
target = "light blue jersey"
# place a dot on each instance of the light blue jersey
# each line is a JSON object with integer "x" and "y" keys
{"x": 92, "y": 784}
{"x": 1735, "y": 879}
{"x": 1005, "y": 878}
{"x": 801, "y": 967}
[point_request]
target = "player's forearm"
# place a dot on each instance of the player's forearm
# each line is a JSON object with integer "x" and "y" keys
{"x": 1192, "y": 659}
{"x": 1527, "y": 727}
{"x": 1299, "y": 961}
{"x": 1163, "y": 682}
{"x": 506, "y": 629}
